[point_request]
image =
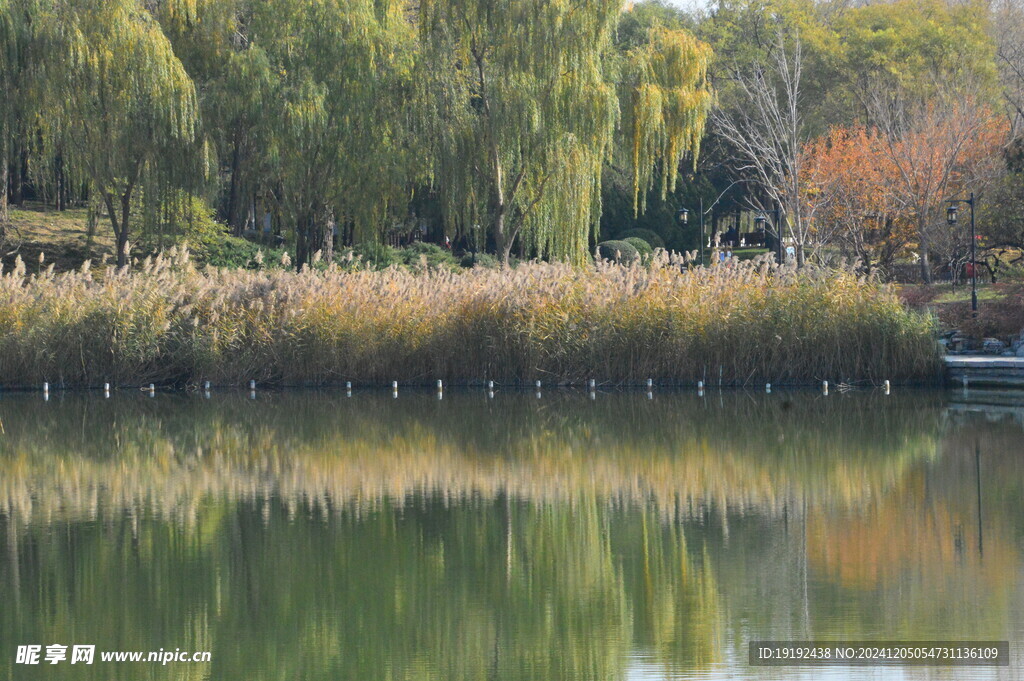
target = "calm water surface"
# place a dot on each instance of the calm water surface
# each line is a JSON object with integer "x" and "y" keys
{"x": 314, "y": 536}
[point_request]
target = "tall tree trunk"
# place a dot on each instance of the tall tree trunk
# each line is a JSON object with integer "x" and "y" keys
{"x": 925, "y": 263}
{"x": 92, "y": 218}
{"x": 3, "y": 183}
{"x": 18, "y": 188}
{"x": 327, "y": 238}
{"x": 120, "y": 223}
{"x": 58, "y": 181}
{"x": 4, "y": 217}
{"x": 502, "y": 242}
{"x": 302, "y": 234}
{"x": 232, "y": 208}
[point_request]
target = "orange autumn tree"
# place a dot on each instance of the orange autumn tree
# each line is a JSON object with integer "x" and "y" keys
{"x": 941, "y": 149}
{"x": 880, "y": 192}
{"x": 849, "y": 190}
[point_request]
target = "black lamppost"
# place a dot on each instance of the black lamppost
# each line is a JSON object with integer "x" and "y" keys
{"x": 684, "y": 218}
{"x": 776, "y": 223}
{"x": 684, "y": 213}
{"x": 951, "y": 219}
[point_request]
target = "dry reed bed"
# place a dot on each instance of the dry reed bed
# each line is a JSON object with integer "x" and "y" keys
{"x": 168, "y": 322}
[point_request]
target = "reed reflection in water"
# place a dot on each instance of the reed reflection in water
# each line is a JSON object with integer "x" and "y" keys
{"x": 313, "y": 536}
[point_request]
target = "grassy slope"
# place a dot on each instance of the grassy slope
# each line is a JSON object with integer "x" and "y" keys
{"x": 60, "y": 235}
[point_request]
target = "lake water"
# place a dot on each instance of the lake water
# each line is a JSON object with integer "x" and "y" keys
{"x": 315, "y": 536}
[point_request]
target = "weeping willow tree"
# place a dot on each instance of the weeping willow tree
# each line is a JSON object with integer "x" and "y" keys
{"x": 526, "y": 101}
{"x": 335, "y": 144}
{"x": 219, "y": 42}
{"x": 26, "y": 46}
{"x": 132, "y": 104}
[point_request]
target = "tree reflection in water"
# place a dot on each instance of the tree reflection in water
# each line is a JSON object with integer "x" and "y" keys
{"x": 310, "y": 536}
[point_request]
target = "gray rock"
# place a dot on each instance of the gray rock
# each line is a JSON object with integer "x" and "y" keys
{"x": 993, "y": 346}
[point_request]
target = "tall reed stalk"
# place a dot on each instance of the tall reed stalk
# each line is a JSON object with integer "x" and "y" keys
{"x": 169, "y": 322}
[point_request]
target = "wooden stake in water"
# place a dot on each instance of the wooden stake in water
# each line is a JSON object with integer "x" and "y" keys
{"x": 886, "y": 386}
{"x": 440, "y": 386}
{"x": 824, "y": 387}
{"x": 394, "y": 389}
{"x": 106, "y": 390}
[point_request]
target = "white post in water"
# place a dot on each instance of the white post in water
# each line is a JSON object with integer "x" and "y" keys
{"x": 252, "y": 394}
{"x": 206, "y": 386}
{"x": 650, "y": 383}
{"x": 767, "y": 387}
{"x": 152, "y": 390}
{"x": 106, "y": 390}
{"x": 252, "y": 385}
{"x": 490, "y": 394}
{"x": 824, "y": 387}
{"x": 46, "y": 387}
{"x": 538, "y": 385}
{"x": 440, "y": 386}
{"x": 394, "y": 389}
{"x": 538, "y": 395}
{"x": 886, "y": 386}
{"x": 592, "y": 384}
{"x": 700, "y": 385}
{"x": 650, "y": 395}
{"x": 490, "y": 385}
{"x": 593, "y": 395}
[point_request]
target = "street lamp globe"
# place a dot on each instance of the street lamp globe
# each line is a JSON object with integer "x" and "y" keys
{"x": 683, "y": 216}
{"x": 951, "y": 214}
